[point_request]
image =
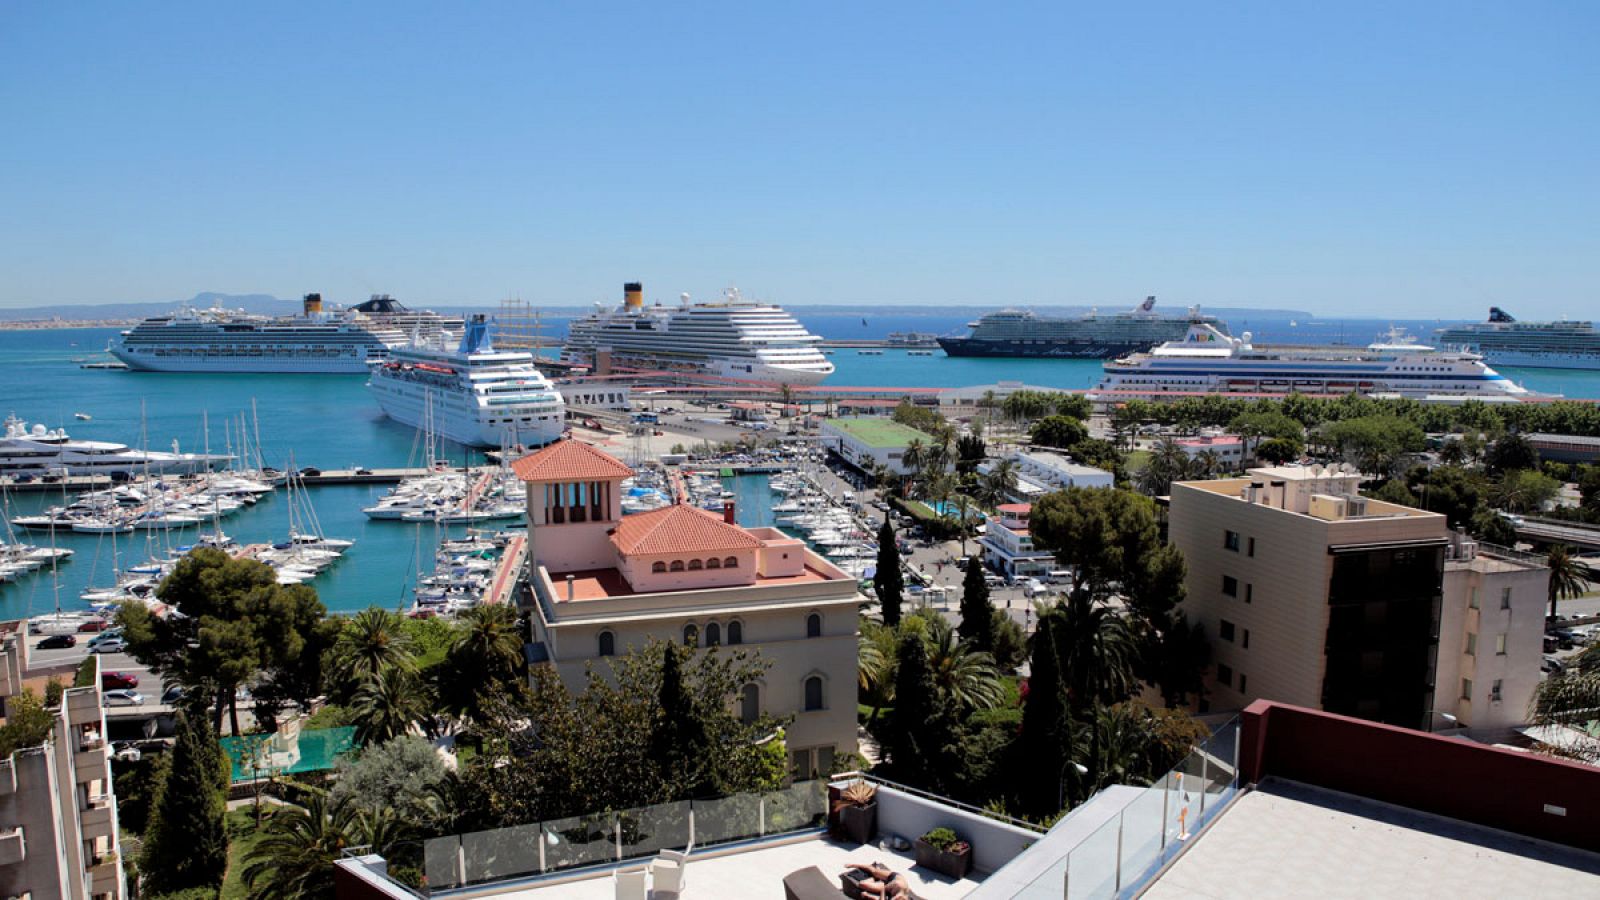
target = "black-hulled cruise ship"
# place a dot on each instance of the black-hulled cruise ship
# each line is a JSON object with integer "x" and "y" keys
{"x": 1014, "y": 332}
{"x": 1542, "y": 345}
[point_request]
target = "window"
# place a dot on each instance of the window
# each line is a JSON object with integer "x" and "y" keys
{"x": 813, "y": 693}
{"x": 713, "y": 634}
{"x": 1494, "y": 691}
{"x": 1224, "y": 675}
{"x": 1226, "y": 630}
{"x": 731, "y": 562}
{"x": 713, "y": 563}
{"x": 1499, "y": 645}
{"x": 691, "y": 635}
{"x": 1230, "y": 585}
{"x": 814, "y": 625}
{"x": 1241, "y": 682}
{"x": 1505, "y": 598}
{"x": 1230, "y": 541}
{"x": 677, "y": 565}
{"x": 1246, "y": 642}
{"x": 736, "y": 632}
{"x": 608, "y": 644}
{"x": 1472, "y": 599}
{"x": 1472, "y": 644}
{"x": 658, "y": 567}
{"x": 1466, "y": 688}
{"x": 1249, "y": 593}
{"x": 1252, "y": 550}
{"x": 696, "y": 565}
{"x": 750, "y": 704}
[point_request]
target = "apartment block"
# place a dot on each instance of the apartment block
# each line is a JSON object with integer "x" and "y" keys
{"x": 601, "y": 584}
{"x": 1008, "y": 544}
{"x": 58, "y": 814}
{"x": 1491, "y": 636}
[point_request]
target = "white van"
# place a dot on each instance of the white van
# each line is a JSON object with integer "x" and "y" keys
{"x": 1033, "y": 587}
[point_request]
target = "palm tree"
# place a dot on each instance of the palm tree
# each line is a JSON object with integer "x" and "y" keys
{"x": 915, "y": 454}
{"x": 490, "y": 634}
{"x": 1572, "y": 700}
{"x": 1569, "y": 577}
{"x": 995, "y": 486}
{"x": 1096, "y": 649}
{"x": 387, "y": 705}
{"x": 1208, "y": 463}
{"x": 967, "y": 679}
{"x": 294, "y": 859}
{"x": 369, "y": 643}
{"x": 875, "y": 666}
{"x": 1167, "y": 463}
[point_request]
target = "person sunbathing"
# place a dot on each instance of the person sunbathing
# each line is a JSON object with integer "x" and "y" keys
{"x": 882, "y": 882}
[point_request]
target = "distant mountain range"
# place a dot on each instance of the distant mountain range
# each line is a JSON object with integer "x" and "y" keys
{"x": 267, "y": 304}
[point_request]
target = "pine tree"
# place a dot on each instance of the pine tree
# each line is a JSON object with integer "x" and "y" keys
{"x": 185, "y": 845}
{"x": 887, "y": 581}
{"x": 678, "y": 745}
{"x": 977, "y": 620}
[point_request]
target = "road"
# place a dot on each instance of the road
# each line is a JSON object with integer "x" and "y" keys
{"x": 71, "y": 657}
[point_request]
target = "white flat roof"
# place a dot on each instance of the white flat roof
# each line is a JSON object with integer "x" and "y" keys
{"x": 1286, "y": 839}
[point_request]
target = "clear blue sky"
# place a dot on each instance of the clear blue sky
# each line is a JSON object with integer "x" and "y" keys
{"x": 1415, "y": 158}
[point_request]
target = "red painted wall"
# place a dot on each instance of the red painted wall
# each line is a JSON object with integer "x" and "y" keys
{"x": 1450, "y": 777}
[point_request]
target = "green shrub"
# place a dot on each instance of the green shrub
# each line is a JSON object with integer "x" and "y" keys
{"x": 941, "y": 838}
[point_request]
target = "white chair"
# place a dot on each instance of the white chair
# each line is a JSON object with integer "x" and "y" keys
{"x": 630, "y": 884}
{"x": 666, "y": 872}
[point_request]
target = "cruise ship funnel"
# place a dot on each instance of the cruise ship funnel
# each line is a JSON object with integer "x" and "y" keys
{"x": 633, "y": 295}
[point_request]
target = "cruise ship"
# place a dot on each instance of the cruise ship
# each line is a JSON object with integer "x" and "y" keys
{"x": 734, "y": 338}
{"x": 1209, "y": 361}
{"x": 1542, "y": 345}
{"x": 423, "y": 324}
{"x": 39, "y": 451}
{"x": 1020, "y": 333}
{"x": 221, "y": 340}
{"x": 474, "y": 394}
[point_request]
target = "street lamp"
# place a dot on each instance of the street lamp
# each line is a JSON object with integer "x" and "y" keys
{"x": 1061, "y": 783}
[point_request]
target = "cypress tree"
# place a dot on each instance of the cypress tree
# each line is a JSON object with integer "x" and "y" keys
{"x": 185, "y": 844}
{"x": 678, "y": 744}
{"x": 977, "y": 617}
{"x": 888, "y": 582}
{"x": 1043, "y": 716}
{"x": 913, "y": 735}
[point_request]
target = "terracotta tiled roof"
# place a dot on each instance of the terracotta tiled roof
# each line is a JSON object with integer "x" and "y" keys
{"x": 679, "y": 528}
{"x": 569, "y": 460}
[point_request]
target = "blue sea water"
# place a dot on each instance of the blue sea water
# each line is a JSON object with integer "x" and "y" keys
{"x": 329, "y": 421}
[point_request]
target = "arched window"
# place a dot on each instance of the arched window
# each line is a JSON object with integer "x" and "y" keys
{"x": 813, "y": 693}
{"x": 735, "y": 632}
{"x": 658, "y": 567}
{"x": 713, "y": 563}
{"x": 691, "y": 635}
{"x": 814, "y": 625}
{"x": 696, "y": 565}
{"x": 750, "y": 704}
{"x": 677, "y": 565}
{"x": 731, "y": 562}
{"x": 608, "y": 644}
{"x": 713, "y": 634}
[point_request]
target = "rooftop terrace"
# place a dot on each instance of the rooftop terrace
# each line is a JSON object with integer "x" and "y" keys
{"x": 602, "y": 584}
{"x": 878, "y": 433}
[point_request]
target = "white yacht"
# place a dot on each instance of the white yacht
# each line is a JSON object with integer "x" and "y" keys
{"x": 222, "y": 340}
{"x": 38, "y": 451}
{"x": 1208, "y": 361}
{"x": 735, "y": 338}
{"x": 478, "y": 396}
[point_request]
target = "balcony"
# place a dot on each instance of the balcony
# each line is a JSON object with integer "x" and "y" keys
{"x": 91, "y": 765}
{"x": 13, "y": 848}
{"x": 83, "y": 707}
{"x": 8, "y": 777}
{"x": 96, "y": 817}
{"x": 103, "y": 872}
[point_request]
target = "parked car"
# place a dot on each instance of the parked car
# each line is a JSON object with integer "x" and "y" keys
{"x": 311, "y": 471}
{"x": 93, "y": 625}
{"x": 122, "y": 698}
{"x": 172, "y": 694}
{"x": 363, "y": 471}
{"x": 1033, "y": 587}
{"x": 1552, "y": 665}
{"x": 110, "y": 634}
{"x": 118, "y": 680}
{"x": 58, "y": 642}
{"x": 115, "y": 645}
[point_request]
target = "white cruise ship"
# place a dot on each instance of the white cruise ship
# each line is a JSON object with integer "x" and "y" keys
{"x": 220, "y": 340}
{"x": 40, "y": 451}
{"x": 425, "y": 324}
{"x": 1207, "y": 361}
{"x": 1544, "y": 345}
{"x": 473, "y": 395}
{"x": 735, "y": 338}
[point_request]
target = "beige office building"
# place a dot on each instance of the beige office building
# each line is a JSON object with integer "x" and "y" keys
{"x": 602, "y": 584}
{"x": 1313, "y": 595}
{"x": 58, "y": 815}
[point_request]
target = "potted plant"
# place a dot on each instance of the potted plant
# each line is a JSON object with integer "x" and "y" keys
{"x": 857, "y": 808}
{"x": 943, "y": 851}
